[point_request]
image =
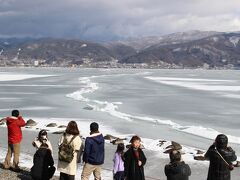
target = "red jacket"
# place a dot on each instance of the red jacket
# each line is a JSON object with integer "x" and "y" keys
{"x": 14, "y": 125}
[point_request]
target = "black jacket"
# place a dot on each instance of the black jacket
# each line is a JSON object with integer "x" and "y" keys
{"x": 131, "y": 169}
{"x": 177, "y": 171}
{"x": 94, "y": 149}
{"x": 218, "y": 170}
{"x": 43, "y": 168}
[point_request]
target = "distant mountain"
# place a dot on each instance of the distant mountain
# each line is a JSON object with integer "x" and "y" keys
{"x": 188, "y": 49}
{"x": 120, "y": 51}
{"x": 174, "y": 38}
{"x": 216, "y": 50}
{"x": 60, "y": 50}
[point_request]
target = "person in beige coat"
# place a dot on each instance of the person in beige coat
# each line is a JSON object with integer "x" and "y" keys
{"x": 68, "y": 170}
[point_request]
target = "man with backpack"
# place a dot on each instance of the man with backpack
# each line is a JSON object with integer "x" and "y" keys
{"x": 93, "y": 156}
{"x": 14, "y": 124}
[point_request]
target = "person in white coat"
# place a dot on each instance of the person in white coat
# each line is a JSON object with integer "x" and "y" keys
{"x": 68, "y": 169}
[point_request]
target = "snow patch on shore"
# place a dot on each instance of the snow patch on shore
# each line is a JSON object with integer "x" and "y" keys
{"x": 83, "y": 125}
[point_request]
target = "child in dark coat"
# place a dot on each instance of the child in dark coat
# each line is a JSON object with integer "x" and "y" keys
{"x": 43, "y": 164}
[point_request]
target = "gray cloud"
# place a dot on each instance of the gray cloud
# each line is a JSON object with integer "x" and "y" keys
{"x": 113, "y": 19}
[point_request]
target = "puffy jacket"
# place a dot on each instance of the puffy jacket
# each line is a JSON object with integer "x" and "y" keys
{"x": 177, "y": 171}
{"x": 94, "y": 149}
{"x": 218, "y": 170}
{"x": 14, "y": 125}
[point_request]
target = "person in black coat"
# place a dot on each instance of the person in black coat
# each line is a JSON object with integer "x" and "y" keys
{"x": 134, "y": 161}
{"x": 43, "y": 164}
{"x": 221, "y": 157}
{"x": 177, "y": 169}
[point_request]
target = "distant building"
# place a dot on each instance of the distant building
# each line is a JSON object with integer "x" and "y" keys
{"x": 36, "y": 63}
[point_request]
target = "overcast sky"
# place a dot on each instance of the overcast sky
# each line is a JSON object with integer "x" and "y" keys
{"x": 113, "y": 19}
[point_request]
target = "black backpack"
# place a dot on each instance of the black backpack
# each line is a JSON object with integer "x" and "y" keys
{"x": 66, "y": 150}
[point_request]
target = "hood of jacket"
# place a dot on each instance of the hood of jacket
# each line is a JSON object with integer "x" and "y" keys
{"x": 97, "y": 137}
{"x": 11, "y": 119}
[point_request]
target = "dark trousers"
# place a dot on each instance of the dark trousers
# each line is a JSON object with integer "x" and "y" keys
{"x": 64, "y": 176}
{"x": 119, "y": 175}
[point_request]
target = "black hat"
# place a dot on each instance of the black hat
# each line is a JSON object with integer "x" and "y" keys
{"x": 94, "y": 127}
{"x": 221, "y": 141}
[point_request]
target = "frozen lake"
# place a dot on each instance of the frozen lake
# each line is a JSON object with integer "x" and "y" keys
{"x": 166, "y": 102}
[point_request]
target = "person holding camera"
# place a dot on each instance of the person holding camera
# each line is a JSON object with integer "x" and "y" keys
{"x": 221, "y": 157}
{"x": 43, "y": 163}
{"x": 42, "y": 138}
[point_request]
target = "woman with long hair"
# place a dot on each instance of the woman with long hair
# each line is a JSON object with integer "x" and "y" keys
{"x": 69, "y": 146}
